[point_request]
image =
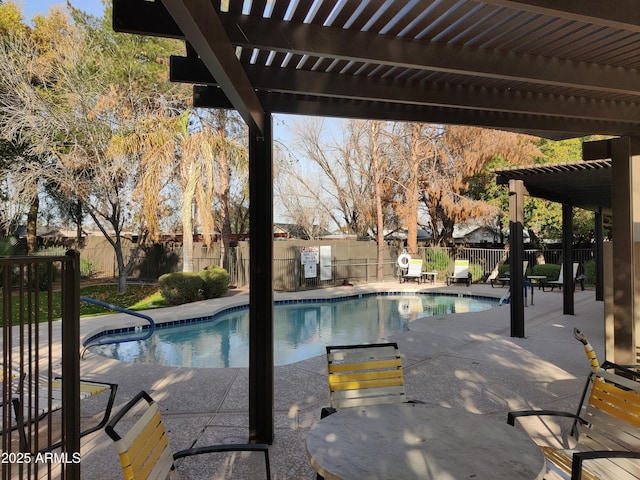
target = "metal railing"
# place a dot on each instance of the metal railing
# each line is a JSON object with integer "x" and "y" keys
{"x": 104, "y": 340}
{"x": 40, "y": 325}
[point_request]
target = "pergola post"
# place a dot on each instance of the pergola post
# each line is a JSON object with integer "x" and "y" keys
{"x": 599, "y": 254}
{"x": 567, "y": 260}
{"x": 261, "y": 284}
{"x": 516, "y": 255}
{"x": 625, "y": 200}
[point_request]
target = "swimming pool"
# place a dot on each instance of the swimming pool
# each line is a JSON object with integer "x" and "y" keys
{"x": 302, "y": 329}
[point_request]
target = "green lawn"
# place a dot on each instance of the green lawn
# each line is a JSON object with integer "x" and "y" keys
{"x": 137, "y": 297}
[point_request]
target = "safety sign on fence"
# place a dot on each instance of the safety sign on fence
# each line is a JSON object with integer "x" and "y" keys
{"x": 309, "y": 258}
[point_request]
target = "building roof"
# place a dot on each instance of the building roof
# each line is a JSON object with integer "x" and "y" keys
{"x": 548, "y": 68}
{"x": 292, "y": 230}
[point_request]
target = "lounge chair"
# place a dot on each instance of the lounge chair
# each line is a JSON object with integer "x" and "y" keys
{"x": 493, "y": 279}
{"x": 414, "y": 271}
{"x": 144, "y": 449}
{"x": 364, "y": 375}
{"x": 560, "y": 281}
{"x": 506, "y": 279}
{"x": 31, "y": 403}
{"x": 460, "y": 273}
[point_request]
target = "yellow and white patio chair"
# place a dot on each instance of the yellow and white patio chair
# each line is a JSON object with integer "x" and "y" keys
{"x": 367, "y": 374}
{"x": 144, "y": 449}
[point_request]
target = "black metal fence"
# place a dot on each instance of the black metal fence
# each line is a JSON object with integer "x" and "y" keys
{"x": 350, "y": 261}
{"x": 40, "y": 342}
{"x": 290, "y": 276}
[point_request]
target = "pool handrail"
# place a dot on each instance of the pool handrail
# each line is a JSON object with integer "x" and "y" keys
{"x": 149, "y": 332}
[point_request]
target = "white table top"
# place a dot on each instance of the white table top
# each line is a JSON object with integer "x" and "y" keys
{"x": 415, "y": 441}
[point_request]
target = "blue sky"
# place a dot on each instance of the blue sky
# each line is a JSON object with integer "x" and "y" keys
{"x": 30, "y": 8}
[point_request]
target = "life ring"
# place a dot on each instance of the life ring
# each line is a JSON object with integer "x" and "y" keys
{"x": 403, "y": 260}
{"x": 404, "y": 307}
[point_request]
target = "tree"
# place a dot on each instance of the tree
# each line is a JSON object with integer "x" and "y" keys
{"x": 542, "y": 218}
{"x": 335, "y": 174}
{"x": 376, "y": 168}
{"x": 232, "y": 171}
{"x": 299, "y": 199}
{"x": 23, "y": 53}
{"x": 79, "y": 85}
{"x": 195, "y": 152}
{"x": 459, "y": 154}
{"x": 412, "y": 145}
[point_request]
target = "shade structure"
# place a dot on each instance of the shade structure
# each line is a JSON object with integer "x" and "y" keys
{"x": 543, "y": 67}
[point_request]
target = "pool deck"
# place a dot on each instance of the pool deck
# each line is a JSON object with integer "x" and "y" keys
{"x": 467, "y": 361}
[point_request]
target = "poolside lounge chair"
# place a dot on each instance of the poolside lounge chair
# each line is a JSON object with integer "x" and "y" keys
{"x": 506, "y": 279}
{"x": 560, "y": 281}
{"x": 36, "y": 401}
{"x": 144, "y": 449}
{"x": 414, "y": 271}
{"x": 460, "y": 273}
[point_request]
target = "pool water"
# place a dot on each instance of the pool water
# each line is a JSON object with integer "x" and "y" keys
{"x": 301, "y": 330}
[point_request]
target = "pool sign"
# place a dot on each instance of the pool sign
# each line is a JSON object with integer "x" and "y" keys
{"x": 325, "y": 262}
{"x": 309, "y": 258}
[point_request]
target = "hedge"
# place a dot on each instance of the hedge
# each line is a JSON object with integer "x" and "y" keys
{"x": 549, "y": 270}
{"x": 184, "y": 287}
{"x": 215, "y": 282}
{"x": 180, "y": 287}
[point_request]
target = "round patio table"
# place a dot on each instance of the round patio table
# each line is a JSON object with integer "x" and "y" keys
{"x": 415, "y": 441}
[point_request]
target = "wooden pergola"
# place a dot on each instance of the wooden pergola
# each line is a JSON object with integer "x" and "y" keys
{"x": 543, "y": 67}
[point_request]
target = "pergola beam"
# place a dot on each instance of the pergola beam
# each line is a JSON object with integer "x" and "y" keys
{"x": 144, "y": 18}
{"x": 209, "y": 39}
{"x": 332, "y": 85}
{"x": 547, "y": 126}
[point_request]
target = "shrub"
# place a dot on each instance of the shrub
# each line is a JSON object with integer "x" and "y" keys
{"x": 503, "y": 270}
{"x": 549, "y": 270}
{"x": 86, "y": 268}
{"x": 590, "y": 272}
{"x": 7, "y": 246}
{"x": 180, "y": 287}
{"x": 436, "y": 259}
{"x": 215, "y": 282}
{"x": 477, "y": 272}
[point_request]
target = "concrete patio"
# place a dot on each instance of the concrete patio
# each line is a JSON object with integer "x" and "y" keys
{"x": 466, "y": 361}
